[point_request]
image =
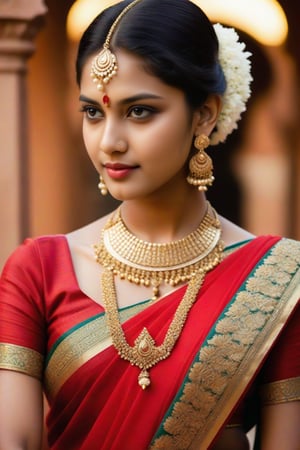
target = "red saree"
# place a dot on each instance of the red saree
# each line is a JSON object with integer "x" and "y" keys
{"x": 95, "y": 401}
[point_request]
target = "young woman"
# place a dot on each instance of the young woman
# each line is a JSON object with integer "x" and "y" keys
{"x": 162, "y": 325}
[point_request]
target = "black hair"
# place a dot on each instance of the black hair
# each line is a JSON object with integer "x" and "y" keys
{"x": 174, "y": 37}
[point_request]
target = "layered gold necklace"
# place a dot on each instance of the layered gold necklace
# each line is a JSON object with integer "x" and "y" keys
{"x": 152, "y": 264}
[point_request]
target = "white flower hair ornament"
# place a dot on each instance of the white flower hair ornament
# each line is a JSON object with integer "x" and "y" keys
{"x": 237, "y": 70}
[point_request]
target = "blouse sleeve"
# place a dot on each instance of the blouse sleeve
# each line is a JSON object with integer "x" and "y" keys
{"x": 22, "y": 329}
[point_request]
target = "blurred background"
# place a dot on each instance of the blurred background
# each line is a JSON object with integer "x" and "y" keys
{"x": 48, "y": 185}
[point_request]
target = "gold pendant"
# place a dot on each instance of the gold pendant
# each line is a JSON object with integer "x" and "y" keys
{"x": 144, "y": 344}
{"x": 144, "y": 379}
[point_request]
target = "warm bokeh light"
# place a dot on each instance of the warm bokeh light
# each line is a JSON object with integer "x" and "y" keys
{"x": 264, "y": 20}
{"x": 81, "y": 14}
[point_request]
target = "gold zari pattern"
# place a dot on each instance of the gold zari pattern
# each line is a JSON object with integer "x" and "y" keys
{"x": 79, "y": 346}
{"x": 21, "y": 359}
{"x": 231, "y": 354}
{"x": 281, "y": 391}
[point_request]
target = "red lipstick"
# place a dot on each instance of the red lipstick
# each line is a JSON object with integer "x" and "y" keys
{"x": 118, "y": 170}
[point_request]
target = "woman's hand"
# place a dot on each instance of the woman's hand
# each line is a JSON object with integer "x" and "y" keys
{"x": 21, "y": 411}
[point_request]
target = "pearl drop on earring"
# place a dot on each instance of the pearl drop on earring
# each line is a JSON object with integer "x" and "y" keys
{"x": 102, "y": 186}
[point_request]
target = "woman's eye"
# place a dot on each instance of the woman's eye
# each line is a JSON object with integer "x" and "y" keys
{"x": 140, "y": 112}
{"x": 91, "y": 112}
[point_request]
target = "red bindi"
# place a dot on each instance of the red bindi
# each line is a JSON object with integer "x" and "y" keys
{"x": 106, "y": 100}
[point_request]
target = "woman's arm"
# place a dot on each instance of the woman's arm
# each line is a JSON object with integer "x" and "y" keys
{"x": 280, "y": 428}
{"x": 21, "y": 411}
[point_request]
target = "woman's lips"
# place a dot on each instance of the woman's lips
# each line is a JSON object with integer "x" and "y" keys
{"x": 118, "y": 171}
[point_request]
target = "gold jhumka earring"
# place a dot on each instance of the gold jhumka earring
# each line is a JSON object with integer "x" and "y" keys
{"x": 102, "y": 186}
{"x": 105, "y": 65}
{"x": 201, "y": 166}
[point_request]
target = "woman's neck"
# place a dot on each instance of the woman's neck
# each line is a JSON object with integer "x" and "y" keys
{"x": 164, "y": 221}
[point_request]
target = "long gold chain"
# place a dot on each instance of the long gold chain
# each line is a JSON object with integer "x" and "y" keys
{"x": 145, "y": 354}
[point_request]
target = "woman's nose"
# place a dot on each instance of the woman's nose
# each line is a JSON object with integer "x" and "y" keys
{"x": 113, "y": 140}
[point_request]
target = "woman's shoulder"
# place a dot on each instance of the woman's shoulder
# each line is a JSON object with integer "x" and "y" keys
{"x": 35, "y": 254}
{"x": 284, "y": 247}
{"x": 31, "y": 246}
{"x": 233, "y": 234}
{"x": 88, "y": 234}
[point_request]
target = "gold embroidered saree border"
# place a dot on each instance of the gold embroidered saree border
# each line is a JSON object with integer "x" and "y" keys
{"x": 281, "y": 391}
{"x": 79, "y": 346}
{"x": 232, "y": 353}
{"x": 21, "y": 359}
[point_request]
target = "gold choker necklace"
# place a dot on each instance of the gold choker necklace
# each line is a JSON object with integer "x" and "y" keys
{"x": 151, "y": 264}
{"x": 145, "y": 263}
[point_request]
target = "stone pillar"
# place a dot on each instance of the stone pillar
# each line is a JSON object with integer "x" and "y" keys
{"x": 20, "y": 20}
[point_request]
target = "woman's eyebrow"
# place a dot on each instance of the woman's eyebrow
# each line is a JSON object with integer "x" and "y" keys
{"x": 139, "y": 97}
{"x": 83, "y": 98}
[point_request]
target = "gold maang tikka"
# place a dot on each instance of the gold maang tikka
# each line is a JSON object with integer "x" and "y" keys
{"x": 105, "y": 65}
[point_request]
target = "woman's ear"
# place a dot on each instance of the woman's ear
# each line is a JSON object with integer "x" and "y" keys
{"x": 207, "y": 115}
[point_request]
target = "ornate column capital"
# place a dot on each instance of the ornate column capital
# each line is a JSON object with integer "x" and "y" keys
{"x": 20, "y": 20}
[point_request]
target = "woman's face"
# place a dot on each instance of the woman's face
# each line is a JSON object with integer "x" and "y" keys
{"x": 141, "y": 141}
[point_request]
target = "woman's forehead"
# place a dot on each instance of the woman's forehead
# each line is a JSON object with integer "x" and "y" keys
{"x": 133, "y": 75}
